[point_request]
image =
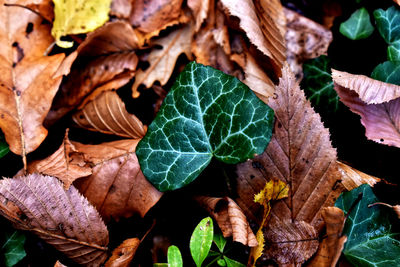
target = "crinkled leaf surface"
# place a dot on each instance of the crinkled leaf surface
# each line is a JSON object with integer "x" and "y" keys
{"x": 387, "y": 22}
{"x": 370, "y": 241}
{"x": 201, "y": 240}
{"x": 387, "y": 72}
{"x": 13, "y": 247}
{"x": 207, "y": 113}
{"x": 358, "y": 26}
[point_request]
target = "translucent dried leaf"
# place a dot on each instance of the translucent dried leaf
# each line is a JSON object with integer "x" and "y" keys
{"x": 352, "y": 178}
{"x": 230, "y": 219}
{"x": 64, "y": 219}
{"x": 369, "y": 90}
{"x": 381, "y": 121}
{"x": 117, "y": 187}
{"x": 162, "y": 61}
{"x": 299, "y": 154}
{"x": 124, "y": 253}
{"x": 107, "y": 114}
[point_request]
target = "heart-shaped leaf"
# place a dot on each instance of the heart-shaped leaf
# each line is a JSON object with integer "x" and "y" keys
{"x": 358, "y": 26}
{"x": 207, "y": 113}
{"x": 387, "y": 22}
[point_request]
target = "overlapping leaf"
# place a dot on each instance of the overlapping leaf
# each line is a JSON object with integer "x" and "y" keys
{"x": 352, "y": 178}
{"x": 388, "y": 72}
{"x": 124, "y": 253}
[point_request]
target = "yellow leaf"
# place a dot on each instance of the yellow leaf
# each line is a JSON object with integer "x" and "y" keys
{"x": 78, "y": 16}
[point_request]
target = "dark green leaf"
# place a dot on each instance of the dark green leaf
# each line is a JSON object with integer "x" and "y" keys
{"x": 160, "y": 265}
{"x": 369, "y": 240}
{"x": 393, "y": 51}
{"x": 318, "y": 84}
{"x": 13, "y": 247}
{"x": 358, "y": 26}
{"x": 232, "y": 263}
{"x": 174, "y": 257}
{"x": 387, "y": 72}
{"x": 201, "y": 240}
{"x": 220, "y": 241}
{"x": 388, "y": 23}
{"x": 207, "y": 113}
{"x": 3, "y": 146}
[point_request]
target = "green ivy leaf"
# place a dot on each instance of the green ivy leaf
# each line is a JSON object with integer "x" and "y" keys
{"x": 207, "y": 113}
{"x": 3, "y": 146}
{"x": 318, "y": 84}
{"x": 387, "y": 72}
{"x": 13, "y": 247}
{"x": 393, "y": 51}
{"x": 201, "y": 240}
{"x": 388, "y": 23}
{"x": 369, "y": 240}
{"x": 358, "y": 26}
{"x": 174, "y": 257}
{"x": 220, "y": 241}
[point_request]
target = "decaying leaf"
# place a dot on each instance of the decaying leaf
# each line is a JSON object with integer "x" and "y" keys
{"x": 332, "y": 245}
{"x": 200, "y": 10}
{"x": 44, "y": 7}
{"x": 117, "y": 187}
{"x": 107, "y": 114}
{"x": 64, "y": 219}
{"x": 352, "y": 178}
{"x": 369, "y": 90}
{"x": 299, "y": 154}
{"x": 381, "y": 121}
{"x": 121, "y": 8}
{"x": 76, "y": 16}
{"x": 123, "y": 254}
{"x": 59, "y": 264}
{"x": 162, "y": 61}
{"x": 29, "y": 80}
{"x": 230, "y": 219}
{"x": 305, "y": 39}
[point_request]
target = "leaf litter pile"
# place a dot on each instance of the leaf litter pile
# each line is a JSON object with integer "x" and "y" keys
{"x": 199, "y": 133}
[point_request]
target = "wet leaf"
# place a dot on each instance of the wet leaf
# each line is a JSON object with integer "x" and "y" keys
{"x": 77, "y": 16}
{"x": 358, "y": 26}
{"x": 369, "y": 238}
{"x": 64, "y": 219}
{"x": 386, "y": 23}
{"x": 388, "y": 72}
{"x": 124, "y": 253}
{"x": 174, "y": 257}
{"x": 12, "y": 247}
{"x": 201, "y": 240}
{"x": 226, "y": 121}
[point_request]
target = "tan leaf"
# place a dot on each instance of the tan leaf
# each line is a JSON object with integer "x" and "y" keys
{"x": 44, "y": 7}
{"x": 106, "y": 59}
{"x": 121, "y": 8}
{"x": 162, "y": 61}
{"x": 305, "y": 39}
{"x": 299, "y": 154}
{"x": 123, "y": 254}
{"x": 352, "y": 178}
{"x": 331, "y": 247}
{"x": 59, "y": 264}
{"x": 381, "y": 121}
{"x": 230, "y": 219}
{"x": 64, "y": 219}
{"x": 107, "y": 114}
{"x": 117, "y": 187}
{"x": 263, "y": 24}
{"x": 369, "y": 90}
{"x": 200, "y": 10}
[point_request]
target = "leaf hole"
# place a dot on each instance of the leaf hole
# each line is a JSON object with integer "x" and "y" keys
{"x": 29, "y": 28}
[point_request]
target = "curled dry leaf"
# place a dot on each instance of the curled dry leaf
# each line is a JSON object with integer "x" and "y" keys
{"x": 200, "y": 10}
{"x": 117, "y": 187}
{"x": 305, "y": 39}
{"x": 369, "y": 90}
{"x": 381, "y": 121}
{"x": 299, "y": 154}
{"x": 124, "y": 253}
{"x": 352, "y": 178}
{"x": 332, "y": 245}
{"x": 64, "y": 219}
{"x": 230, "y": 219}
{"x": 107, "y": 114}
{"x": 162, "y": 61}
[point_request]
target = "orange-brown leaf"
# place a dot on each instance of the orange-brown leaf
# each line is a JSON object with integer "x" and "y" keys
{"x": 107, "y": 114}
{"x": 121, "y": 8}
{"x": 352, "y": 178}
{"x": 124, "y": 253}
{"x": 200, "y": 10}
{"x": 64, "y": 219}
{"x": 117, "y": 187}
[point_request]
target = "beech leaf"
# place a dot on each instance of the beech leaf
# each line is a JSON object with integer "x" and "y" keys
{"x": 300, "y": 154}
{"x": 358, "y": 26}
{"x": 64, "y": 219}
{"x": 352, "y": 178}
{"x": 107, "y": 114}
{"x": 206, "y": 114}
{"x": 124, "y": 253}
{"x": 78, "y": 16}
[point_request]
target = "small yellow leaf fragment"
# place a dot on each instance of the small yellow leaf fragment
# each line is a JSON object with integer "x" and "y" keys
{"x": 78, "y": 16}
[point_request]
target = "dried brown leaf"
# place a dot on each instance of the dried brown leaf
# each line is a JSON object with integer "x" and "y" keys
{"x": 381, "y": 121}
{"x": 121, "y": 8}
{"x": 299, "y": 154}
{"x": 44, "y": 7}
{"x": 64, "y": 219}
{"x": 162, "y": 61}
{"x": 117, "y": 187}
{"x": 200, "y": 10}
{"x": 123, "y": 254}
{"x": 230, "y": 219}
{"x": 59, "y": 264}
{"x": 369, "y": 90}
{"x": 305, "y": 39}
{"x": 352, "y": 178}
{"x": 107, "y": 114}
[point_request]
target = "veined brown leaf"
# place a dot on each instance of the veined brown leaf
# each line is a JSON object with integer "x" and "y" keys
{"x": 117, "y": 187}
{"x": 64, "y": 219}
{"x": 352, "y": 178}
{"x": 299, "y": 154}
{"x": 124, "y": 253}
{"x": 107, "y": 114}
